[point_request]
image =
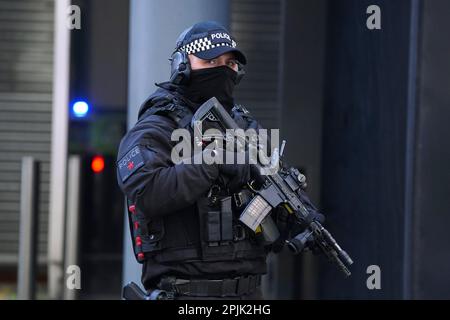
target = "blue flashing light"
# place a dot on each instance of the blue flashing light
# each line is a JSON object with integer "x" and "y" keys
{"x": 80, "y": 109}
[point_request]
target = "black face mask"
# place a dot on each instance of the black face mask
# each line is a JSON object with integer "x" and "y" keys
{"x": 216, "y": 82}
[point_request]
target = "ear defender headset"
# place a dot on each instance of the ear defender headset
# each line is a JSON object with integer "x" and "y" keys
{"x": 180, "y": 67}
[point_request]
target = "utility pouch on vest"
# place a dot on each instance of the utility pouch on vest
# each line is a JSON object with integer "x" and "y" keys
{"x": 218, "y": 222}
{"x": 216, "y": 228}
{"x": 226, "y": 224}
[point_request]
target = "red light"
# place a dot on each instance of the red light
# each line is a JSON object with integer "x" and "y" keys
{"x": 98, "y": 164}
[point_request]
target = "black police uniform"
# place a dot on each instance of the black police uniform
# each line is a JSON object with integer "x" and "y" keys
{"x": 184, "y": 225}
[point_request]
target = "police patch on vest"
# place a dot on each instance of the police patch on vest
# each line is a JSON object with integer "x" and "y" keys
{"x": 130, "y": 162}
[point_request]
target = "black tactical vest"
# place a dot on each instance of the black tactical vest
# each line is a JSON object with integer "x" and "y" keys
{"x": 207, "y": 231}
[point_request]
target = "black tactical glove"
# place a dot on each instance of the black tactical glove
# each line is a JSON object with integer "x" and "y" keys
{"x": 284, "y": 222}
{"x": 234, "y": 168}
{"x": 312, "y": 216}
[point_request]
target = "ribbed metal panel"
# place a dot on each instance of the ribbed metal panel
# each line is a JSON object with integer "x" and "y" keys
{"x": 257, "y": 26}
{"x": 26, "y": 47}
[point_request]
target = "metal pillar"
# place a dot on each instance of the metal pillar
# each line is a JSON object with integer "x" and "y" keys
{"x": 59, "y": 150}
{"x": 73, "y": 217}
{"x": 28, "y": 233}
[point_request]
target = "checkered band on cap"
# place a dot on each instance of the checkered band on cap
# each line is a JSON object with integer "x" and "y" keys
{"x": 203, "y": 44}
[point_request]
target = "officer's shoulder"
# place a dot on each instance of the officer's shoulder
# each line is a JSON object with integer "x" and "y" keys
{"x": 151, "y": 127}
{"x": 151, "y": 133}
{"x": 154, "y": 121}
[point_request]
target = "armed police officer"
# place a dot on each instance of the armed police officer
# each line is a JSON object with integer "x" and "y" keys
{"x": 184, "y": 216}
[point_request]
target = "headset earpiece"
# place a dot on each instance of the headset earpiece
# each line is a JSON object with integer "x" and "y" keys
{"x": 180, "y": 68}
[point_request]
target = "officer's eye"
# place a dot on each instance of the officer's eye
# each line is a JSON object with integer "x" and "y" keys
{"x": 212, "y": 62}
{"x": 232, "y": 63}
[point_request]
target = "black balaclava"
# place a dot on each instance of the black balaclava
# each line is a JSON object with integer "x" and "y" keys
{"x": 216, "y": 82}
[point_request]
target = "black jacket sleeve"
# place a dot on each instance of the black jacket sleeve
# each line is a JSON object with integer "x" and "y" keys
{"x": 159, "y": 186}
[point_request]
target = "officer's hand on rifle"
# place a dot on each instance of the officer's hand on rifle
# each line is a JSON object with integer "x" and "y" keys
{"x": 284, "y": 221}
{"x": 313, "y": 216}
{"x": 236, "y": 169}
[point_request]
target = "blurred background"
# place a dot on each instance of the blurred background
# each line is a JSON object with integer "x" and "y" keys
{"x": 365, "y": 113}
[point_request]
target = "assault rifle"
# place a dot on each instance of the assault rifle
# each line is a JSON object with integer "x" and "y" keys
{"x": 278, "y": 188}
